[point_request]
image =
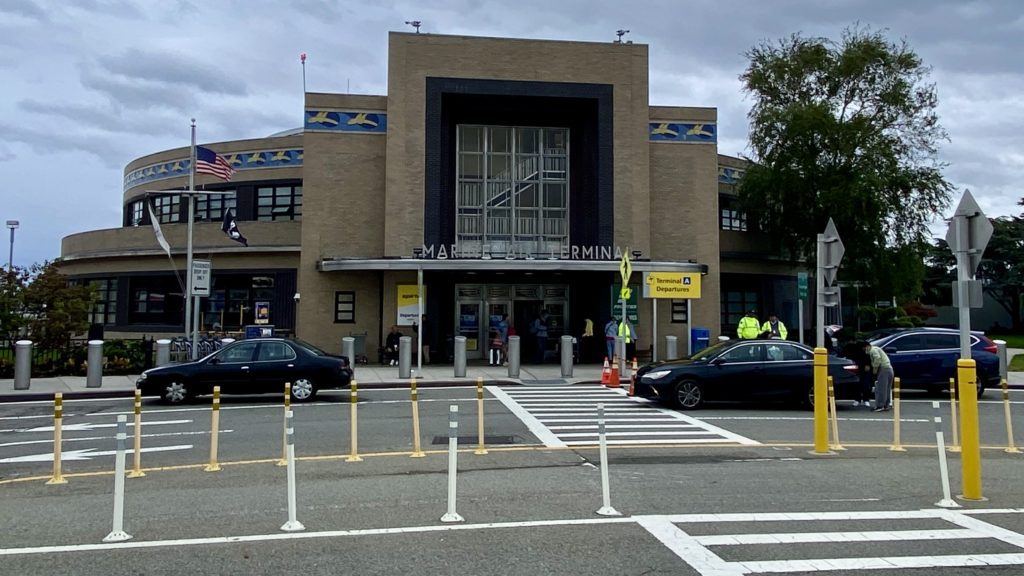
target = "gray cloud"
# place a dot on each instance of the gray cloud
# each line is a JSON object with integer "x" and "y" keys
{"x": 103, "y": 118}
{"x": 211, "y": 75}
{"x": 139, "y": 95}
{"x": 24, "y": 9}
{"x": 45, "y": 140}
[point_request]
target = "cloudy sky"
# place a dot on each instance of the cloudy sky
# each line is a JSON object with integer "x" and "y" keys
{"x": 91, "y": 84}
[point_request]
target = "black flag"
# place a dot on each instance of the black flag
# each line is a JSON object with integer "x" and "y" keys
{"x": 231, "y": 229}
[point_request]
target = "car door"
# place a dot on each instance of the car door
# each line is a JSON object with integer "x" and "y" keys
{"x": 788, "y": 370}
{"x": 938, "y": 359}
{"x": 276, "y": 363}
{"x": 229, "y": 368}
{"x": 904, "y": 353}
{"x": 737, "y": 372}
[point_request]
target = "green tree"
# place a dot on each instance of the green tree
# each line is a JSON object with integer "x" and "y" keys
{"x": 846, "y": 130}
{"x": 12, "y": 285}
{"x": 55, "y": 309}
{"x": 1002, "y": 266}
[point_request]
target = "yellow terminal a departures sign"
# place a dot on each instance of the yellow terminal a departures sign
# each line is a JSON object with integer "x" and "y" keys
{"x": 625, "y": 270}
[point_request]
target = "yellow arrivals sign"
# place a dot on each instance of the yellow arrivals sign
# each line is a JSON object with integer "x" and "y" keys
{"x": 679, "y": 285}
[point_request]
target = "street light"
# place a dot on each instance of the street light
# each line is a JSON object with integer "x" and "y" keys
{"x": 13, "y": 225}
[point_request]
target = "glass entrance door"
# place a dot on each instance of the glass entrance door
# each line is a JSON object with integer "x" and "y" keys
{"x": 495, "y": 311}
{"x": 469, "y": 325}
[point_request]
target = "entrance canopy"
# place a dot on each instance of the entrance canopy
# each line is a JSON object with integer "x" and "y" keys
{"x": 518, "y": 264}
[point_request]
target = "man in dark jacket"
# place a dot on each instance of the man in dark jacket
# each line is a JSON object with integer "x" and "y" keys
{"x": 391, "y": 346}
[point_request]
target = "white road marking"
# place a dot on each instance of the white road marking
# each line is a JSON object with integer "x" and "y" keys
{"x": 539, "y": 430}
{"x": 87, "y": 454}
{"x": 890, "y": 562}
{"x": 130, "y": 436}
{"x": 819, "y": 537}
{"x": 33, "y": 416}
{"x": 688, "y": 549}
{"x": 86, "y": 426}
{"x": 811, "y": 419}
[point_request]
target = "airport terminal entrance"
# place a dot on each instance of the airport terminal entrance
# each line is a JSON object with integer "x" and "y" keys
{"x": 479, "y": 307}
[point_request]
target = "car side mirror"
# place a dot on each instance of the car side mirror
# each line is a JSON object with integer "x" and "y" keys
{"x": 214, "y": 360}
{"x": 718, "y": 361}
{"x": 890, "y": 350}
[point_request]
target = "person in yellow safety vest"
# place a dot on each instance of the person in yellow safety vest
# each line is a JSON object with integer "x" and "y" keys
{"x": 774, "y": 328}
{"x": 749, "y": 328}
{"x": 628, "y": 335}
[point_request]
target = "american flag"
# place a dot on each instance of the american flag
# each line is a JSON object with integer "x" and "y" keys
{"x": 209, "y": 162}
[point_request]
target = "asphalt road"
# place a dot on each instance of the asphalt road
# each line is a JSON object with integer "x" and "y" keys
{"x": 529, "y": 506}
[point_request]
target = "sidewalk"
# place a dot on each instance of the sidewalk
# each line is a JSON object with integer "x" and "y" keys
{"x": 367, "y": 376}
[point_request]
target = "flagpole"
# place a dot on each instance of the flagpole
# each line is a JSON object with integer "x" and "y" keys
{"x": 188, "y": 258}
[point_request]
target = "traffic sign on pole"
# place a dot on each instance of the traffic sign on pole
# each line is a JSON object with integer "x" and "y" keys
{"x": 625, "y": 268}
{"x": 979, "y": 231}
{"x": 834, "y": 251}
{"x": 801, "y": 286}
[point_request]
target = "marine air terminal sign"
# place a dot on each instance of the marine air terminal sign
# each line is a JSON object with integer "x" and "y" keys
{"x": 678, "y": 285}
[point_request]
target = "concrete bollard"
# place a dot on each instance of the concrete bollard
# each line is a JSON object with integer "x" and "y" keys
{"x": 163, "y": 351}
{"x": 1001, "y": 352}
{"x": 513, "y": 356}
{"x": 94, "y": 373}
{"x": 671, "y": 347}
{"x": 565, "y": 349}
{"x": 22, "y": 364}
{"x": 405, "y": 357}
{"x": 348, "y": 349}
{"x": 460, "y": 356}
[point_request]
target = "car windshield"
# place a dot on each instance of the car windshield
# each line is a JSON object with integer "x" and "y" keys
{"x": 707, "y": 353}
{"x": 310, "y": 347}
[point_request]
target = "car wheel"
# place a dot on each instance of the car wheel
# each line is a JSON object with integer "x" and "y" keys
{"x": 689, "y": 395}
{"x": 175, "y": 391}
{"x": 303, "y": 390}
{"x": 807, "y": 399}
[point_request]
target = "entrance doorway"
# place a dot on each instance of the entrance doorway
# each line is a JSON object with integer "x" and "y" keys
{"x": 479, "y": 307}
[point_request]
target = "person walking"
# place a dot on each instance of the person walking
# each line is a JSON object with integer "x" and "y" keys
{"x": 539, "y": 328}
{"x": 774, "y": 329}
{"x": 882, "y": 369}
{"x": 503, "y": 334}
{"x": 496, "y": 343}
{"x": 749, "y": 328}
{"x": 611, "y": 330}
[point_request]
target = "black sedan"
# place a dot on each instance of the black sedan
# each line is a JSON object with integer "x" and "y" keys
{"x": 743, "y": 370}
{"x": 250, "y": 367}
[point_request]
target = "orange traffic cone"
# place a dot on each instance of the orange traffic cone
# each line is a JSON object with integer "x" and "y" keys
{"x": 632, "y": 379}
{"x": 606, "y": 374}
{"x": 614, "y": 383}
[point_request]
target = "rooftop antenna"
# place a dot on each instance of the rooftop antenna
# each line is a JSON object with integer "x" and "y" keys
{"x": 620, "y": 34}
{"x": 416, "y": 24}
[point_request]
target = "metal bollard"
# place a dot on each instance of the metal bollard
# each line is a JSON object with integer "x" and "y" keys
{"x": 284, "y": 432}
{"x": 58, "y": 417}
{"x": 460, "y": 356}
{"x": 821, "y": 407}
{"x": 671, "y": 348}
{"x": 354, "y": 431}
{"x": 22, "y": 364}
{"x": 565, "y": 349}
{"x": 417, "y": 452}
{"x": 213, "y": 466}
{"x": 513, "y": 356}
{"x": 163, "y": 352}
{"x": 947, "y": 499}
{"x": 117, "y": 534}
{"x": 292, "y": 525}
{"x": 94, "y": 372}
{"x": 1001, "y": 352}
{"x": 405, "y": 357}
{"x": 137, "y": 437}
{"x": 481, "y": 448}
{"x": 970, "y": 442}
{"x": 453, "y": 458}
{"x": 348, "y": 349}
{"x": 606, "y": 500}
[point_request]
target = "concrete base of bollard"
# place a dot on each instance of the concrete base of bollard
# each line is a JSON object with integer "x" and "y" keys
{"x": 452, "y": 517}
{"x": 608, "y": 511}
{"x": 944, "y": 503}
{"x": 119, "y": 536}
{"x": 293, "y": 526}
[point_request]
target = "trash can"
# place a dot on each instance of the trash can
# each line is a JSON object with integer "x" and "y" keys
{"x": 359, "y": 348}
{"x": 700, "y": 338}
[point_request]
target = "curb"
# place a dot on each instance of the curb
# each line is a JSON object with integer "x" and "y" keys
{"x": 130, "y": 393}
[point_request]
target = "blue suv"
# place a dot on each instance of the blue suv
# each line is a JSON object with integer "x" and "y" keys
{"x": 925, "y": 358}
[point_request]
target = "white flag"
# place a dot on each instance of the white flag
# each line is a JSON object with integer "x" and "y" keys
{"x": 156, "y": 230}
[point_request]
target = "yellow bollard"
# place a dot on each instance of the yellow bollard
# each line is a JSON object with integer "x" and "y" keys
{"x": 416, "y": 451}
{"x": 970, "y": 443}
{"x": 836, "y": 445}
{"x": 896, "y": 446}
{"x": 354, "y": 455}
{"x": 284, "y": 424}
{"x": 1010, "y": 448}
{"x": 58, "y": 416}
{"x": 820, "y": 406}
{"x": 481, "y": 448}
{"x": 213, "y": 466}
{"x": 136, "y": 471}
{"x": 955, "y": 446}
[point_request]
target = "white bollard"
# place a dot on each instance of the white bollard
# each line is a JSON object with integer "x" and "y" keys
{"x": 292, "y": 525}
{"x": 606, "y": 499}
{"x": 453, "y": 456}
{"x": 947, "y": 498}
{"x": 117, "y": 534}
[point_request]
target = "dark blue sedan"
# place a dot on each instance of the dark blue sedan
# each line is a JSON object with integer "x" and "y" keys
{"x": 756, "y": 370}
{"x": 925, "y": 358}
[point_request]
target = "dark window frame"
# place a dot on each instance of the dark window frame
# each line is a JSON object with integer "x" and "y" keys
{"x": 344, "y": 316}
{"x": 678, "y": 312}
{"x": 285, "y": 203}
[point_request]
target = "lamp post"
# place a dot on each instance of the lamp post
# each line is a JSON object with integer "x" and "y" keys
{"x": 13, "y": 225}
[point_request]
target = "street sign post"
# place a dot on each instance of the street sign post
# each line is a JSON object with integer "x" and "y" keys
{"x": 830, "y": 254}
{"x": 801, "y": 295}
{"x": 625, "y": 270}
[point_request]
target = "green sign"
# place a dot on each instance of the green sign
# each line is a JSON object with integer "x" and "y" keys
{"x": 801, "y": 286}
{"x": 631, "y": 303}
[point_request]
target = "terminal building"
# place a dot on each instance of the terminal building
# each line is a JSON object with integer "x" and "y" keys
{"x": 509, "y": 174}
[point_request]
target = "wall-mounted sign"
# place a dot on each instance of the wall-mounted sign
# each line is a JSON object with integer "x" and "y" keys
{"x": 408, "y": 304}
{"x": 678, "y": 285}
{"x": 263, "y": 312}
